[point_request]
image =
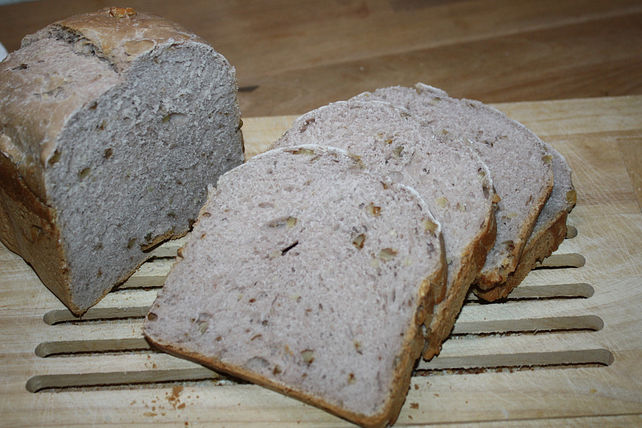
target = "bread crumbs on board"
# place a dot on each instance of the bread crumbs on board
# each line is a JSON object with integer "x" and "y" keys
{"x": 174, "y": 397}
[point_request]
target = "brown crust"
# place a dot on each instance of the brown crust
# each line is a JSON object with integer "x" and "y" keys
{"x": 472, "y": 260}
{"x": 386, "y": 418}
{"x": 538, "y": 248}
{"x": 437, "y": 291}
{"x": 121, "y": 34}
{"x": 28, "y": 228}
{"x": 499, "y": 274}
{"x": 488, "y": 280}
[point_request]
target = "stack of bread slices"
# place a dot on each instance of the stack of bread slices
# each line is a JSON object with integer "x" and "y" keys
{"x": 325, "y": 267}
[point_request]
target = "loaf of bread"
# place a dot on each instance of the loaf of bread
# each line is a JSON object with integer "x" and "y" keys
{"x": 453, "y": 182}
{"x": 112, "y": 124}
{"x": 308, "y": 275}
{"x": 519, "y": 163}
{"x": 549, "y": 230}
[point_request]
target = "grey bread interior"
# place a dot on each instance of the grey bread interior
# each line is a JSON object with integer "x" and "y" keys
{"x": 452, "y": 180}
{"x": 142, "y": 157}
{"x": 128, "y": 163}
{"x": 518, "y": 161}
{"x": 307, "y": 274}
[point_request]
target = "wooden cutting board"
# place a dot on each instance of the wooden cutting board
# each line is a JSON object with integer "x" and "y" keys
{"x": 565, "y": 348}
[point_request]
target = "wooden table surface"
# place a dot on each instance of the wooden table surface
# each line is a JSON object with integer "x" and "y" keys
{"x": 292, "y": 56}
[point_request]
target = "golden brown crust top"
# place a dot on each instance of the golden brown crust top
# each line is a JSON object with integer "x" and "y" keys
{"x": 122, "y": 34}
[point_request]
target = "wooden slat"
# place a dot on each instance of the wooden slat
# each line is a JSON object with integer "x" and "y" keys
{"x": 575, "y": 290}
{"x": 168, "y": 249}
{"x": 533, "y": 325}
{"x": 38, "y": 383}
{"x": 574, "y": 357}
{"x": 48, "y": 349}
{"x": 571, "y": 232}
{"x": 130, "y": 378}
{"x": 562, "y": 261}
{"x": 63, "y": 315}
{"x": 151, "y": 274}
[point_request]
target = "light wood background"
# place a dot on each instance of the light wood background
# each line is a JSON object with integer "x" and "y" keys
{"x": 295, "y": 55}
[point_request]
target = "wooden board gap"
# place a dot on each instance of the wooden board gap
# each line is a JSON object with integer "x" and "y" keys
{"x": 530, "y": 325}
{"x": 571, "y": 231}
{"x": 59, "y": 316}
{"x": 580, "y": 290}
{"x": 560, "y": 261}
{"x": 472, "y": 363}
{"x": 123, "y": 380}
{"x": 97, "y": 346}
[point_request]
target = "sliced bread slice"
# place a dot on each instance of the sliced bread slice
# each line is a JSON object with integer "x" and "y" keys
{"x": 549, "y": 230}
{"x": 452, "y": 180}
{"x": 306, "y": 274}
{"x": 519, "y": 163}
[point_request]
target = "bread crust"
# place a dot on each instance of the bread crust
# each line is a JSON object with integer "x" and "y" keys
{"x": 117, "y": 36}
{"x": 28, "y": 228}
{"x": 549, "y": 231}
{"x": 505, "y": 255}
{"x": 500, "y": 273}
{"x": 538, "y": 248}
{"x": 120, "y": 34}
{"x": 446, "y": 311}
